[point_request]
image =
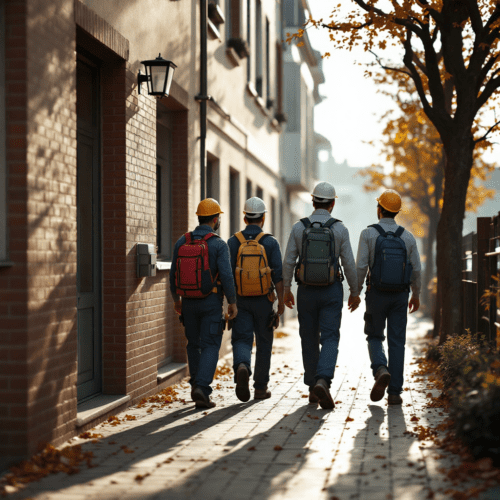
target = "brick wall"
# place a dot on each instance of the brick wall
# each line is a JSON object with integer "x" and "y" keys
{"x": 52, "y": 231}
{"x": 13, "y": 286}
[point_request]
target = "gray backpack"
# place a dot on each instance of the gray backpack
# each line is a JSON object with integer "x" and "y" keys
{"x": 317, "y": 265}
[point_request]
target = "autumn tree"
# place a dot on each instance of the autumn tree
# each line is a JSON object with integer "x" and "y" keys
{"x": 462, "y": 37}
{"x": 412, "y": 147}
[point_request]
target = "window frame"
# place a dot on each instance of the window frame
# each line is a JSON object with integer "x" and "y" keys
{"x": 4, "y": 261}
{"x": 164, "y": 208}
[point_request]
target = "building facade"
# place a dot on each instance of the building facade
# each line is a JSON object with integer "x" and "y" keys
{"x": 303, "y": 74}
{"x": 91, "y": 168}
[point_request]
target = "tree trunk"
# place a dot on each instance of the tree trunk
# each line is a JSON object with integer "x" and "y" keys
{"x": 429, "y": 262}
{"x": 426, "y": 276}
{"x": 458, "y": 149}
{"x": 437, "y": 312}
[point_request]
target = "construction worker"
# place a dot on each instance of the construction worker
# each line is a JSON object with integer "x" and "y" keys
{"x": 200, "y": 272}
{"x": 256, "y": 262}
{"x": 391, "y": 254}
{"x": 317, "y": 242}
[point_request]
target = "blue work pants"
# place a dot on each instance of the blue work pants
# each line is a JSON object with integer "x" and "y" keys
{"x": 253, "y": 317}
{"x": 393, "y": 307}
{"x": 203, "y": 327}
{"x": 320, "y": 313}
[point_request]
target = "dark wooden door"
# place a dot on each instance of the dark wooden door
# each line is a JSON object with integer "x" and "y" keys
{"x": 89, "y": 229}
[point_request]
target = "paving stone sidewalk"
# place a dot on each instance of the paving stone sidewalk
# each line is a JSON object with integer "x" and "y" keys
{"x": 281, "y": 448}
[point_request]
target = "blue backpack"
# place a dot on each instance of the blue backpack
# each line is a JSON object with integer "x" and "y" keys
{"x": 391, "y": 271}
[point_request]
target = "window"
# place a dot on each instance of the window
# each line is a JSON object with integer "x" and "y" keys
{"x": 3, "y": 156}
{"x": 258, "y": 49}
{"x": 269, "y": 101}
{"x": 260, "y": 193}
{"x": 249, "y": 189}
{"x": 249, "y": 39}
{"x": 163, "y": 190}
{"x": 212, "y": 177}
{"x": 273, "y": 216}
{"x": 234, "y": 200}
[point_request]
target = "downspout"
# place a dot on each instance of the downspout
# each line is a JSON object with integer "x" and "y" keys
{"x": 202, "y": 96}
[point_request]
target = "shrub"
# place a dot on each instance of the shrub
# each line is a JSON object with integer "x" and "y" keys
{"x": 463, "y": 361}
{"x": 477, "y": 422}
{"x": 433, "y": 352}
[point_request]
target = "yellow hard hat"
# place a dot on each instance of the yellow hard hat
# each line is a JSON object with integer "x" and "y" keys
{"x": 390, "y": 200}
{"x": 208, "y": 206}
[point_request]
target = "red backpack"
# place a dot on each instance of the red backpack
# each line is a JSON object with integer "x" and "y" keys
{"x": 193, "y": 278}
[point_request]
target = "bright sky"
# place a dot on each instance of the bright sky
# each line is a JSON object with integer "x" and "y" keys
{"x": 349, "y": 116}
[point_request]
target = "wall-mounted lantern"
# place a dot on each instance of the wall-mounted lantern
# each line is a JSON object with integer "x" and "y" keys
{"x": 159, "y": 75}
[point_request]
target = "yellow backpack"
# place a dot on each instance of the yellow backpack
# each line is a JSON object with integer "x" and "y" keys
{"x": 252, "y": 273}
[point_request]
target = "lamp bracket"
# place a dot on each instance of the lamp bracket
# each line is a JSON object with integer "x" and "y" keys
{"x": 140, "y": 80}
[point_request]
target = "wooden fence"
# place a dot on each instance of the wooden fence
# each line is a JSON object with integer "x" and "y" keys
{"x": 480, "y": 264}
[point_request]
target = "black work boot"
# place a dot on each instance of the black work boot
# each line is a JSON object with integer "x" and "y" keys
{"x": 200, "y": 400}
{"x": 322, "y": 392}
{"x": 382, "y": 379}
{"x": 394, "y": 399}
{"x": 242, "y": 390}
{"x": 313, "y": 399}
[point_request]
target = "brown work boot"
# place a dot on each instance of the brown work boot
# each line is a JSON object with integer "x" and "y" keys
{"x": 394, "y": 399}
{"x": 242, "y": 390}
{"x": 322, "y": 392}
{"x": 313, "y": 399}
{"x": 382, "y": 379}
{"x": 262, "y": 394}
{"x": 200, "y": 400}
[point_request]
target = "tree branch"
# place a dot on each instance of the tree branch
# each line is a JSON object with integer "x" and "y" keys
{"x": 484, "y": 137}
{"x": 395, "y": 20}
{"x": 388, "y": 68}
{"x": 475, "y": 16}
{"x": 492, "y": 85}
{"x": 361, "y": 26}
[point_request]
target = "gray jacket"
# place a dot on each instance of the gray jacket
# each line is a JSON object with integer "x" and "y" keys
{"x": 366, "y": 253}
{"x": 342, "y": 249}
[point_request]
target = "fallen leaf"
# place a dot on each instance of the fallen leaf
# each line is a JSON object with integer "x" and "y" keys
{"x": 278, "y": 448}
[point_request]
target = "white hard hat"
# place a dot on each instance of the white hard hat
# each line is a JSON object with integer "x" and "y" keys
{"x": 254, "y": 208}
{"x": 323, "y": 192}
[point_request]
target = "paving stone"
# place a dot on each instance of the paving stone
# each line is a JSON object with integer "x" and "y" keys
{"x": 184, "y": 453}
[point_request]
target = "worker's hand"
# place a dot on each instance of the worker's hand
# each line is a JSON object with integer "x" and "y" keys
{"x": 232, "y": 310}
{"x": 281, "y": 308}
{"x": 289, "y": 300}
{"x": 414, "y": 304}
{"x": 353, "y": 303}
{"x": 178, "y": 306}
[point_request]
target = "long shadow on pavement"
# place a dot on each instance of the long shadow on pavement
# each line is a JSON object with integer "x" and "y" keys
{"x": 378, "y": 461}
{"x": 257, "y": 467}
{"x": 156, "y": 440}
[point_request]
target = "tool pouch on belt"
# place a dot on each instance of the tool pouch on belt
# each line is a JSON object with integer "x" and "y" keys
{"x": 274, "y": 320}
{"x": 228, "y": 323}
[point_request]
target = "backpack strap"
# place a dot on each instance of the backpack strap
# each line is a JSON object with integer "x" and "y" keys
{"x": 240, "y": 237}
{"x": 209, "y": 235}
{"x": 378, "y": 227}
{"x": 330, "y": 222}
{"x": 399, "y": 231}
{"x": 260, "y": 236}
{"x": 189, "y": 237}
{"x": 306, "y": 222}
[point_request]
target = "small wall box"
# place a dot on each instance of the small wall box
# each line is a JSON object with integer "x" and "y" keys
{"x": 146, "y": 260}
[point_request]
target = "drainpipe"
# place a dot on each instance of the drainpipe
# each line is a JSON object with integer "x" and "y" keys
{"x": 202, "y": 96}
